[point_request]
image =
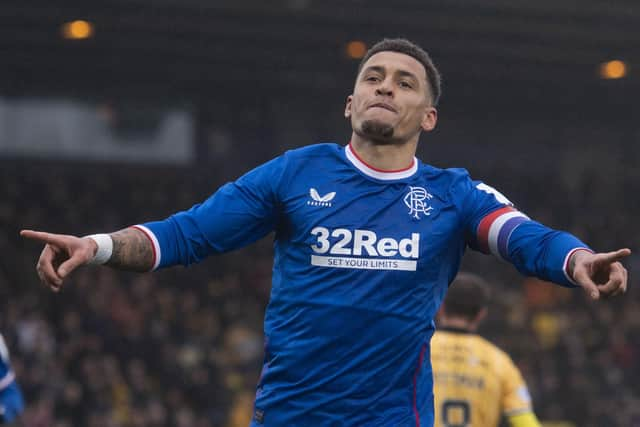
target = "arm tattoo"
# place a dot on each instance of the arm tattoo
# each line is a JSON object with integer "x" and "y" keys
{"x": 132, "y": 251}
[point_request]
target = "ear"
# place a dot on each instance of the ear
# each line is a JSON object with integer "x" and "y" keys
{"x": 429, "y": 119}
{"x": 347, "y": 108}
{"x": 482, "y": 314}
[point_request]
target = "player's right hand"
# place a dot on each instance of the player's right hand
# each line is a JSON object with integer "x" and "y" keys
{"x": 61, "y": 255}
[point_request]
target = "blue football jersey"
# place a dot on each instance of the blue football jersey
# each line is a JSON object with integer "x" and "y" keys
{"x": 11, "y": 403}
{"x": 363, "y": 259}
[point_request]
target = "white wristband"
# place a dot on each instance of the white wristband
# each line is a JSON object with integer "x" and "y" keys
{"x": 105, "y": 248}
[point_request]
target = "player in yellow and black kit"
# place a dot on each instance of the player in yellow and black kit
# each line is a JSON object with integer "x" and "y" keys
{"x": 475, "y": 382}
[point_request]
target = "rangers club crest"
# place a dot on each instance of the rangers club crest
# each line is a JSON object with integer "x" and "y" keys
{"x": 416, "y": 201}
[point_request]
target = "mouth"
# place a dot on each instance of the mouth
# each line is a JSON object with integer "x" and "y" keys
{"x": 384, "y": 106}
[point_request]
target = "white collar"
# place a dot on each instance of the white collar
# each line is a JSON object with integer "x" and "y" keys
{"x": 379, "y": 173}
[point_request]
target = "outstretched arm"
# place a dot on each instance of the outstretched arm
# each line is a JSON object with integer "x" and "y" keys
{"x": 561, "y": 258}
{"x": 130, "y": 250}
{"x": 496, "y": 226}
{"x": 237, "y": 214}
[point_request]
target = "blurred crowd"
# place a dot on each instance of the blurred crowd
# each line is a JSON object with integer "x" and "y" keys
{"x": 183, "y": 347}
{"x": 175, "y": 348}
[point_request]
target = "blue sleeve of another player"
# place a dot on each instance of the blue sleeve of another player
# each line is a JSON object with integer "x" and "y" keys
{"x": 494, "y": 226}
{"x": 11, "y": 403}
{"x": 237, "y": 214}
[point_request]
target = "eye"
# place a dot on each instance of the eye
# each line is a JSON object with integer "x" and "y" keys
{"x": 405, "y": 84}
{"x": 372, "y": 79}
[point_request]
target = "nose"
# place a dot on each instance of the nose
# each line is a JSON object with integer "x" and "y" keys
{"x": 384, "y": 89}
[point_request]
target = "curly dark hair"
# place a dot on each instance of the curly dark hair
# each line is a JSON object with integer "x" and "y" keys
{"x": 409, "y": 48}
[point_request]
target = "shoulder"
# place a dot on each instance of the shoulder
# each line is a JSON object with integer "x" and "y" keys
{"x": 311, "y": 160}
{"x": 451, "y": 174}
{"x": 328, "y": 149}
{"x": 448, "y": 177}
{"x": 295, "y": 161}
{"x": 451, "y": 184}
{"x": 464, "y": 191}
{"x": 490, "y": 347}
{"x": 502, "y": 363}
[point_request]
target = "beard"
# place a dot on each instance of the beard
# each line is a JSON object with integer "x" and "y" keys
{"x": 378, "y": 132}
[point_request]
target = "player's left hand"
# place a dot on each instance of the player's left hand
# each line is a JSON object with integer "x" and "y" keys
{"x": 600, "y": 274}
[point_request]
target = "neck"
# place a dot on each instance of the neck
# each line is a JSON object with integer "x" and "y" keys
{"x": 457, "y": 323}
{"x": 390, "y": 157}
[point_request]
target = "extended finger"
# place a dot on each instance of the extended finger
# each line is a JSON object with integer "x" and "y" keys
{"x": 45, "y": 268}
{"x": 50, "y": 238}
{"x": 611, "y": 257}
